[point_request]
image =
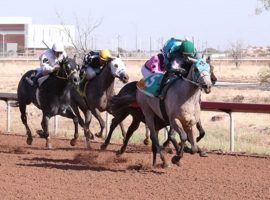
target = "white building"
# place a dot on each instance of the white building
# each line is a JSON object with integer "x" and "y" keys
{"x": 18, "y": 34}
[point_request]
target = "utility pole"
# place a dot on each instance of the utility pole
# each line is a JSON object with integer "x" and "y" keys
{"x": 150, "y": 46}
{"x": 118, "y": 44}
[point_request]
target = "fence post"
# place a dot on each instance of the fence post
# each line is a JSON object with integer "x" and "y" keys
{"x": 55, "y": 125}
{"x": 8, "y": 117}
{"x": 107, "y": 125}
{"x": 231, "y": 132}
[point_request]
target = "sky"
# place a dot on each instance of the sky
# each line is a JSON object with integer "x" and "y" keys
{"x": 211, "y": 23}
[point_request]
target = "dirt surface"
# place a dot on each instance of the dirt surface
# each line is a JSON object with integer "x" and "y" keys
{"x": 32, "y": 172}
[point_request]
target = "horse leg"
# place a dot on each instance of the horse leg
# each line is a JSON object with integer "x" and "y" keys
{"x": 69, "y": 113}
{"x": 156, "y": 148}
{"x": 79, "y": 120}
{"x": 88, "y": 118}
{"x": 177, "y": 126}
{"x": 115, "y": 121}
{"x": 191, "y": 139}
{"x": 147, "y": 136}
{"x": 45, "y": 134}
{"x": 29, "y": 139}
{"x": 201, "y": 131}
{"x": 167, "y": 142}
{"x": 123, "y": 130}
{"x": 101, "y": 122}
{"x": 171, "y": 138}
{"x": 133, "y": 127}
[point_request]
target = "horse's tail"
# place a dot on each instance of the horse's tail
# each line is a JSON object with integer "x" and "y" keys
{"x": 118, "y": 102}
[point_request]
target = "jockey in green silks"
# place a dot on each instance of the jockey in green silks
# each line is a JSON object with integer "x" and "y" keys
{"x": 176, "y": 59}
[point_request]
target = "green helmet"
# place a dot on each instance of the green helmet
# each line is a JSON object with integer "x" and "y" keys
{"x": 187, "y": 48}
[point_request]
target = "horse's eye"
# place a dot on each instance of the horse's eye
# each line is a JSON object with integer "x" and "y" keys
{"x": 196, "y": 69}
{"x": 116, "y": 66}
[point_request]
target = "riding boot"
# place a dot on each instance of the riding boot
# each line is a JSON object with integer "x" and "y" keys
{"x": 162, "y": 84}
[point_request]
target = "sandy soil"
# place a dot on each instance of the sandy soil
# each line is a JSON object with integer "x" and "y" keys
{"x": 32, "y": 172}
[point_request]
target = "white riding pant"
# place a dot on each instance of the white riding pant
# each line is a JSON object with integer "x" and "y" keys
{"x": 90, "y": 73}
{"x": 145, "y": 72}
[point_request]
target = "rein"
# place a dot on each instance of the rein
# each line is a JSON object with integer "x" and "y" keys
{"x": 66, "y": 77}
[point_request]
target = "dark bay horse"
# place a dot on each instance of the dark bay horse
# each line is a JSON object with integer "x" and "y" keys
{"x": 52, "y": 97}
{"x": 98, "y": 91}
{"x": 124, "y": 104}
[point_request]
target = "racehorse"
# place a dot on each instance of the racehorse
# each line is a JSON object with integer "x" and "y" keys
{"x": 182, "y": 106}
{"x": 124, "y": 104}
{"x": 97, "y": 92}
{"x": 52, "y": 97}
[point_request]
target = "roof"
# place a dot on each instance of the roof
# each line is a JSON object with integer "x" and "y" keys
{"x": 15, "y": 20}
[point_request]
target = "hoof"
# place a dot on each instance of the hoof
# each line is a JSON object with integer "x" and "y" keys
{"x": 119, "y": 152}
{"x": 99, "y": 135}
{"x": 40, "y": 133}
{"x": 203, "y": 154}
{"x": 91, "y": 136}
{"x": 176, "y": 160}
{"x": 166, "y": 165}
{"x": 29, "y": 140}
{"x": 187, "y": 150}
{"x": 103, "y": 146}
{"x": 169, "y": 150}
{"x": 146, "y": 142}
{"x": 73, "y": 142}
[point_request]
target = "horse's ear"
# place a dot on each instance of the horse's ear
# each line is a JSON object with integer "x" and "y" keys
{"x": 208, "y": 59}
{"x": 75, "y": 57}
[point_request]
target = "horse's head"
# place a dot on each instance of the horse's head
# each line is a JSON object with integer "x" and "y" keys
{"x": 200, "y": 73}
{"x": 213, "y": 76}
{"x": 69, "y": 70}
{"x": 118, "y": 69}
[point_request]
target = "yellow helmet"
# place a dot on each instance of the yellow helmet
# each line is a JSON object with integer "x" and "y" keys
{"x": 105, "y": 54}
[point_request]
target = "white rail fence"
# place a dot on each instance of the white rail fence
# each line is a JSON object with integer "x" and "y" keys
{"x": 230, "y": 108}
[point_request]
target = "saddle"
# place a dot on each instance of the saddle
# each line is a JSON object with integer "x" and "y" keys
{"x": 151, "y": 85}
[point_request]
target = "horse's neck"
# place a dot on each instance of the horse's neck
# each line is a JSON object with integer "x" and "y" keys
{"x": 56, "y": 85}
{"x": 106, "y": 79}
{"x": 188, "y": 89}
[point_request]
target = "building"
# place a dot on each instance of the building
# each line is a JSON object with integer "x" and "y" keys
{"x": 19, "y": 35}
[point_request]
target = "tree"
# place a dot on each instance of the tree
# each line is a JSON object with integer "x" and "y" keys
{"x": 264, "y": 5}
{"x": 84, "y": 34}
{"x": 236, "y": 52}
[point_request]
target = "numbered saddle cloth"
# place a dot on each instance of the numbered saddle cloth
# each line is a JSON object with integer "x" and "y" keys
{"x": 150, "y": 85}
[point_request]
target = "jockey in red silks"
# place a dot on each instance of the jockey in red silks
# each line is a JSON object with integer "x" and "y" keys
{"x": 154, "y": 65}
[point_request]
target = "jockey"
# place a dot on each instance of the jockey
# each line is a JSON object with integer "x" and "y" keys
{"x": 154, "y": 65}
{"x": 93, "y": 62}
{"x": 176, "y": 61}
{"x": 49, "y": 61}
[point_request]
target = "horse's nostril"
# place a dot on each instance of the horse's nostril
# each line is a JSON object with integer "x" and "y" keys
{"x": 75, "y": 80}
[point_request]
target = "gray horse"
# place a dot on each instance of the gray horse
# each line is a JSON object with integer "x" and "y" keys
{"x": 98, "y": 91}
{"x": 53, "y": 97}
{"x": 182, "y": 105}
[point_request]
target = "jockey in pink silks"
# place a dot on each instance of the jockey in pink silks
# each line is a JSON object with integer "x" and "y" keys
{"x": 154, "y": 65}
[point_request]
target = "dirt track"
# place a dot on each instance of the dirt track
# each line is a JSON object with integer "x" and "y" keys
{"x": 31, "y": 172}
